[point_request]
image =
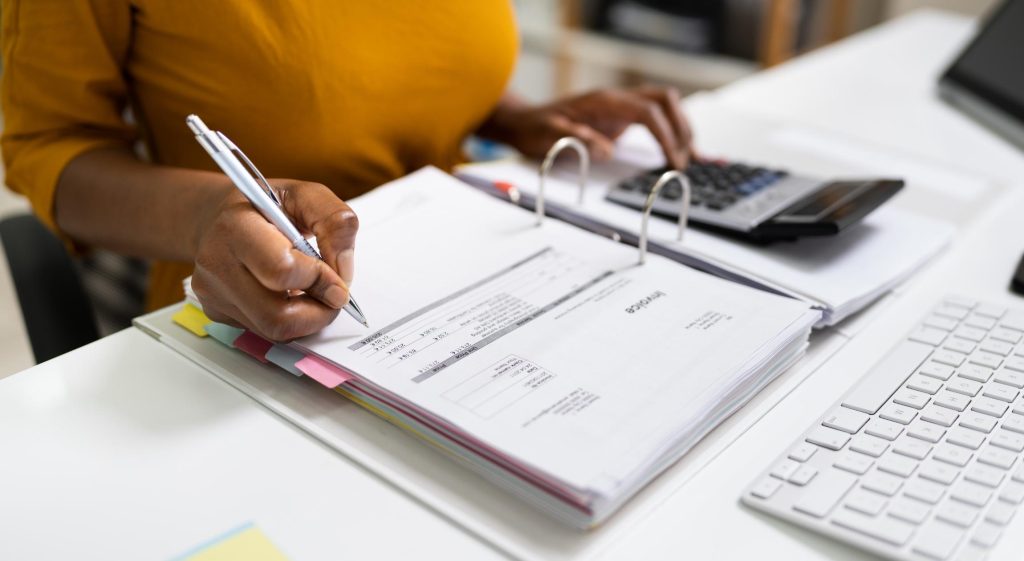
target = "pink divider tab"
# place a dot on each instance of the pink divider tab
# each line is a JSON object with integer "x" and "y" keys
{"x": 323, "y": 371}
{"x": 254, "y": 345}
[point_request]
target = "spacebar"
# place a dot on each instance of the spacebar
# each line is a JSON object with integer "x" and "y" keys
{"x": 886, "y": 377}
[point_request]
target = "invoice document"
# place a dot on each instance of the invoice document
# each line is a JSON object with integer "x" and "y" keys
{"x": 546, "y": 351}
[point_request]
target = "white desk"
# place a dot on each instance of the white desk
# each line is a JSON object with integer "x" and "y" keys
{"x": 125, "y": 450}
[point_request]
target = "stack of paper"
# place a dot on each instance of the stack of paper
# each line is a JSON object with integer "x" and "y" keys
{"x": 544, "y": 357}
{"x": 838, "y": 274}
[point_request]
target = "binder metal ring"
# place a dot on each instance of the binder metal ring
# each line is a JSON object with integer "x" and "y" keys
{"x": 549, "y": 160}
{"x": 684, "y": 210}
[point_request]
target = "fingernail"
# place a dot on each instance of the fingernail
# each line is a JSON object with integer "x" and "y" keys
{"x": 346, "y": 265}
{"x": 336, "y": 297}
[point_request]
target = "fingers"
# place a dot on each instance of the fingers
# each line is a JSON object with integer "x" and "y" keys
{"x": 279, "y": 267}
{"x": 316, "y": 209}
{"x": 639, "y": 109}
{"x": 600, "y": 146}
{"x": 272, "y": 315}
{"x": 668, "y": 100}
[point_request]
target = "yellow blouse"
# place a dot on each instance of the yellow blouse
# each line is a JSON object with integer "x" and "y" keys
{"x": 349, "y": 93}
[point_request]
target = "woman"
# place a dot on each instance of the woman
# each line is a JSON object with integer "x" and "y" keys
{"x": 338, "y": 95}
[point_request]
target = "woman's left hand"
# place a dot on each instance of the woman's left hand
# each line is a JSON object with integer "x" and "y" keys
{"x": 597, "y": 118}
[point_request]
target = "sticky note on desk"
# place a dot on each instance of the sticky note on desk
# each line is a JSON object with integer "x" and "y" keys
{"x": 246, "y": 543}
{"x": 193, "y": 319}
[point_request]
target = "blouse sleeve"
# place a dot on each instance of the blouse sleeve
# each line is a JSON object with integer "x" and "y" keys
{"x": 63, "y": 91}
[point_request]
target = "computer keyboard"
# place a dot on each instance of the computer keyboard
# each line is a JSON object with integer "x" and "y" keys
{"x": 924, "y": 457}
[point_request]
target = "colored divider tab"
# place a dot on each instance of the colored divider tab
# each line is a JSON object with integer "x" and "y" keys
{"x": 224, "y": 333}
{"x": 285, "y": 357}
{"x": 246, "y": 543}
{"x": 254, "y": 345}
{"x": 193, "y": 319}
{"x": 323, "y": 371}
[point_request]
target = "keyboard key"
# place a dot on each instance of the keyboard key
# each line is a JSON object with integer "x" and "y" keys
{"x": 926, "y": 491}
{"x": 986, "y": 534}
{"x": 874, "y": 389}
{"x": 818, "y": 498}
{"x": 802, "y": 452}
{"x": 990, "y": 310}
{"x": 1015, "y": 363}
{"x": 1000, "y": 392}
{"x": 981, "y": 322}
{"x": 953, "y": 455}
{"x": 988, "y": 360}
{"x": 972, "y": 552}
{"x": 854, "y": 462}
{"x": 870, "y": 445}
{"x": 1010, "y": 378}
{"x": 1008, "y": 440}
{"x": 1018, "y": 407}
{"x": 928, "y": 335}
{"x": 1012, "y": 492}
{"x": 936, "y": 370}
{"x": 883, "y": 429}
{"x": 784, "y": 469}
{"x": 941, "y": 322}
{"x": 803, "y": 475}
{"x": 766, "y": 488}
{"x": 912, "y": 448}
{"x": 926, "y": 432}
{"x": 950, "y": 358}
{"x": 924, "y": 384}
{"x": 957, "y": 513}
{"x": 910, "y": 398}
{"x": 895, "y": 532}
{"x": 959, "y": 345}
{"x": 846, "y": 420}
{"x": 883, "y": 483}
{"x": 897, "y": 414}
{"x": 1019, "y": 475}
{"x": 1014, "y": 423}
{"x": 989, "y": 406}
{"x": 1007, "y": 335}
{"x": 963, "y": 386}
{"x": 985, "y": 475}
{"x": 997, "y": 457}
{"x": 828, "y": 438}
{"x": 937, "y": 540}
{"x": 978, "y": 422}
{"x": 1001, "y": 512}
{"x": 938, "y": 472}
{"x": 971, "y": 493}
{"x": 939, "y": 416}
{"x": 955, "y": 312}
{"x": 956, "y": 402}
{"x": 1012, "y": 320}
{"x": 865, "y": 501}
{"x": 897, "y": 465}
{"x": 909, "y": 510}
{"x": 966, "y": 438}
{"x": 971, "y": 333}
{"x": 997, "y": 347}
{"x": 975, "y": 372}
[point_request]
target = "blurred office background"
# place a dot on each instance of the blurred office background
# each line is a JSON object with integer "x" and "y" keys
{"x": 568, "y": 46}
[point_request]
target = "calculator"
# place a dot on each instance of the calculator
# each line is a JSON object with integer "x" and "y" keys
{"x": 756, "y": 203}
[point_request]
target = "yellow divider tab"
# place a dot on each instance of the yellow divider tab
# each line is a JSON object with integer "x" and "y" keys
{"x": 193, "y": 319}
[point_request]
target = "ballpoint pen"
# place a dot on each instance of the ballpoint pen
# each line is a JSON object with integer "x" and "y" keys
{"x": 230, "y": 159}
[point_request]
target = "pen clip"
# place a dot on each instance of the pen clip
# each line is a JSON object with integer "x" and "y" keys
{"x": 252, "y": 167}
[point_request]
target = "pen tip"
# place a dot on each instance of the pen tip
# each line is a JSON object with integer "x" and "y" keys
{"x": 366, "y": 323}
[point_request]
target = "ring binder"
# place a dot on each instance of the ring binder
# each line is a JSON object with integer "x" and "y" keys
{"x": 684, "y": 211}
{"x": 549, "y": 160}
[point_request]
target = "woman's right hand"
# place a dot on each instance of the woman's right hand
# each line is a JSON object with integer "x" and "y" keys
{"x": 248, "y": 274}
